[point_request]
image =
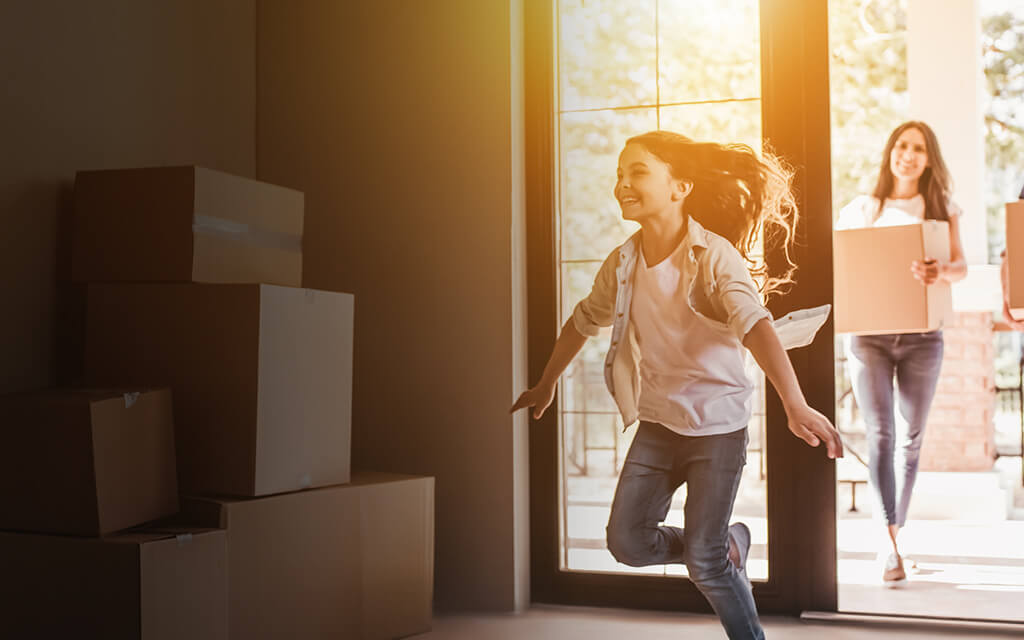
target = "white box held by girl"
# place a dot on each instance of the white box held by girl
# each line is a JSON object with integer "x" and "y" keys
{"x": 262, "y": 377}
{"x": 875, "y": 291}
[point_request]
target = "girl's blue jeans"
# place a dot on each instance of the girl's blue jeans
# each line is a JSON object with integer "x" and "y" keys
{"x": 895, "y": 418}
{"x": 658, "y": 462}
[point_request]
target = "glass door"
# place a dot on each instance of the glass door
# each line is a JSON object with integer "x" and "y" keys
{"x": 691, "y": 66}
{"x": 599, "y": 71}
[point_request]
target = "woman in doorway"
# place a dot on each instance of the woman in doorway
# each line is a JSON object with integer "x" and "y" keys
{"x": 913, "y": 185}
{"x": 682, "y": 304}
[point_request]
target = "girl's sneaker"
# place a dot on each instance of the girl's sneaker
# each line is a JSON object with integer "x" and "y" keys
{"x": 893, "y": 576}
{"x": 739, "y": 547}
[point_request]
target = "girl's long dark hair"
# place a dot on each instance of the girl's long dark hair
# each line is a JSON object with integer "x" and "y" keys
{"x": 934, "y": 184}
{"x": 737, "y": 195}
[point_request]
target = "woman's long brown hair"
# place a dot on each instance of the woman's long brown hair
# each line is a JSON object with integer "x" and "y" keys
{"x": 934, "y": 184}
{"x": 737, "y": 195}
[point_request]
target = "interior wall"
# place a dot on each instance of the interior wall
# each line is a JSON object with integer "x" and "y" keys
{"x": 398, "y": 121}
{"x": 103, "y": 84}
{"x": 395, "y": 119}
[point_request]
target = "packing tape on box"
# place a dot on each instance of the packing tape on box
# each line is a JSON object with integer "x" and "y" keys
{"x": 130, "y": 399}
{"x": 244, "y": 233}
{"x": 183, "y": 539}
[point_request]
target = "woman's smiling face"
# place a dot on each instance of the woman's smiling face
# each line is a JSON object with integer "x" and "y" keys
{"x": 909, "y": 156}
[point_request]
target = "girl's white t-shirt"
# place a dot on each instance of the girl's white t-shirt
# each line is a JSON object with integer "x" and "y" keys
{"x": 895, "y": 211}
{"x": 693, "y": 378}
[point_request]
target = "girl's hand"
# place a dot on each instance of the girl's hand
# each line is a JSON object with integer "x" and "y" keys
{"x": 812, "y": 427}
{"x": 926, "y": 271}
{"x": 539, "y": 397}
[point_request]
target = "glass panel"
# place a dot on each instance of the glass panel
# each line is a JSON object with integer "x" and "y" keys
{"x": 582, "y": 385}
{"x": 607, "y": 53}
{"x": 869, "y": 49}
{"x": 591, "y": 221}
{"x": 608, "y": 58}
{"x": 708, "y": 50}
{"x": 577, "y": 280}
{"x": 717, "y": 122}
{"x": 868, "y": 97}
{"x": 1002, "y": 46}
{"x": 964, "y": 536}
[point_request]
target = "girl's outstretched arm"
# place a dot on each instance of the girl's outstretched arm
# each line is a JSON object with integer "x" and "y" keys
{"x": 807, "y": 424}
{"x": 569, "y": 343}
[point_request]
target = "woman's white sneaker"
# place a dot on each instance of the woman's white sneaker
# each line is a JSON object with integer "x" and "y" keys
{"x": 893, "y": 576}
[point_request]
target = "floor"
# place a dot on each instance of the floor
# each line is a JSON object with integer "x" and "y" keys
{"x": 544, "y": 622}
{"x": 965, "y": 568}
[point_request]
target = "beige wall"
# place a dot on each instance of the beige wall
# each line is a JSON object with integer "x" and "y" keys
{"x": 104, "y": 84}
{"x": 401, "y": 120}
{"x": 397, "y": 119}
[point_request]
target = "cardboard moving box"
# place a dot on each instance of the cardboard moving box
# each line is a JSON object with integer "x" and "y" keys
{"x": 182, "y": 224}
{"x": 352, "y": 561}
{"x": 163, "y": 585}
{"x": 262, "y": 377}
{"x": 875, "y": 291}
{"x": 1015, "y": 256}
{"x": 86, "y": 462}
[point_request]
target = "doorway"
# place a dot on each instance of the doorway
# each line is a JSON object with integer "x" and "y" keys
{"x": 962, "y": 546}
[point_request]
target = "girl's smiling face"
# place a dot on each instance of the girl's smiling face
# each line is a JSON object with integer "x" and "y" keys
{"x": 909, "y": 156}
{"x": 645, "y": 186}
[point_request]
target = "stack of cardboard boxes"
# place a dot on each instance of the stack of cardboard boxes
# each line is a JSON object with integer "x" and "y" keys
{"x": 194, "y": 285}
{"x": 77, "y": 468}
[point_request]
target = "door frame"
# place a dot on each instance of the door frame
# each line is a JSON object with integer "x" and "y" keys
{"x": 801, "y": 498}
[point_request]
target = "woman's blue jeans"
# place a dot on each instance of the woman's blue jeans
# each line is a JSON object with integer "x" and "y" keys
{"x": 658, "y": 462}
{"x": 895, "y": 417}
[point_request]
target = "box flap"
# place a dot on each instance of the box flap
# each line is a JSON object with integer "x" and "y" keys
{"x": 133, "y": 445}
{"x": 935, "y": 238}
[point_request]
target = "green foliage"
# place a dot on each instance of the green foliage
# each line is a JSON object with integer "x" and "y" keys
{"x": 1002, "y": 42}
{"x": 868, "y": 84}
{"x": 868, "y": 77}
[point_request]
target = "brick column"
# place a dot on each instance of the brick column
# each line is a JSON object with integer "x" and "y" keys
{"x": 960, "y": 435}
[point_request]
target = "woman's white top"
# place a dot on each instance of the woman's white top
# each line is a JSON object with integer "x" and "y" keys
{"x": 895, "y": 211}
